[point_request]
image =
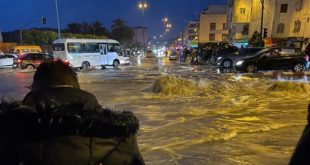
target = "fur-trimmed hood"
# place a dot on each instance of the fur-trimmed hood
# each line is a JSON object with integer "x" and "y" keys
{"x": 21, "y": 122}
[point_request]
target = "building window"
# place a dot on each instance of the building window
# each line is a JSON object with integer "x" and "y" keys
{"x": 245, "y": 29}
{"x": 242, "y": 10}
{"x": 211, "y": 37}
{"x": 212, "y": 26}
{"x": 281, "y": 28}
{"x": 224, "y": 26}
{"x": 297, "y": 25}
{"x": 224, "y": 37}
{"x": 283, "y": 8}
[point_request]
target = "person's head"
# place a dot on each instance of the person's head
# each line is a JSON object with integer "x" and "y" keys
{"x": 52, "y": 74}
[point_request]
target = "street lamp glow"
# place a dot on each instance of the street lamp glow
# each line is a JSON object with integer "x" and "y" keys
{"x": 143, "y": 5}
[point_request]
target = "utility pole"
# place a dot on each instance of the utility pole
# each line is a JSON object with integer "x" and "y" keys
{"x": 57, "y": 14}
{"x": 262, "y": 18}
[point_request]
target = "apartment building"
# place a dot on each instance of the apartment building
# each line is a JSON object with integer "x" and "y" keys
{"x": 213, "y": 24}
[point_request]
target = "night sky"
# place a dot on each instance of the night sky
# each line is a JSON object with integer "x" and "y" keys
{"x": 14, "y": 13}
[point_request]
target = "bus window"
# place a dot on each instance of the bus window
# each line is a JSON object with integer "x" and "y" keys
{"x": 59, "y": 47}
{"x": 92, "y": 48}
{"x": 114, "y": 47}
{"x": 75, "y": 47}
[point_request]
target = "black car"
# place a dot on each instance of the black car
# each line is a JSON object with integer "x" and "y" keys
{"x": 227, "y": 60}
{"x": 273, "y": 59}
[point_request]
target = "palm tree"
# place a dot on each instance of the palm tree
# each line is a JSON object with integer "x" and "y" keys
{"x": 96, "y": 25}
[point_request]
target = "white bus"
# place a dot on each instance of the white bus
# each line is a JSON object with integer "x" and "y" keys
{"x": 83, "y": 53}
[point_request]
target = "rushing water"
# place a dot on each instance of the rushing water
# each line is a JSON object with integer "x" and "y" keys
{"x": 192, "y": 115}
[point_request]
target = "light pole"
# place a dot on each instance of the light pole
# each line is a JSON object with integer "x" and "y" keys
{"x": 58, "y": 25}
{"x": 143, "y": 6}
{"x": 262, "y": 18}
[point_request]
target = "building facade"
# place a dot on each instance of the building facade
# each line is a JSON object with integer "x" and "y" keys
{"x": 213, "y": 24}
{"x": 283, "y": 19}
{"x": 190, "y": 33}
{"x": 140, "y": 37}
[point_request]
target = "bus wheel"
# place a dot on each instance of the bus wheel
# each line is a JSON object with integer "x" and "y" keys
{"x": 115, "y": 63}
{"x": 85, "y": 65}
{"x": 30, "y": 67}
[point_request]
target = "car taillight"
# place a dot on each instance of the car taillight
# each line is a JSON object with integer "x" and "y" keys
{"x": 66, "y": 62}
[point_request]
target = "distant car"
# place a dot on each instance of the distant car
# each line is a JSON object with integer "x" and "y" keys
{"x": 227, "y": 60}
{"x": 273, "y": 59}
{"x": 31, "y": 60}
{"x": 7, "y": 60}
{"x": 149, "y": 54}
{"x": 173, "y": 55}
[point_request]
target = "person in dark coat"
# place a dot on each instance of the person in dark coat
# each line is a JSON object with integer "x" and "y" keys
{"x": 49, "y": 128}
{"x": 302, "y": 151}
{"x": 57, "y": 81}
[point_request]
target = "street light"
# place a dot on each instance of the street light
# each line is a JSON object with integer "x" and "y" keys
{"x": 262, "y": 18}
{"x": 58, "y": 25}
{"x": 143, "y": 6}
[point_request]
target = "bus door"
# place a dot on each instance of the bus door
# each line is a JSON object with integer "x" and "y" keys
{"x": 103, "y": 54}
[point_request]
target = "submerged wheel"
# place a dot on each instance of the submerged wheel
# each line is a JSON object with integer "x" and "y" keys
{"x": 298, "y": 67}
{"x": 251, "y": 68}
{"x": 30, "y": 67}
{"x": 85, "y": 65}
{"x": 227, "y": 64}
{"x": 116, "y": 63}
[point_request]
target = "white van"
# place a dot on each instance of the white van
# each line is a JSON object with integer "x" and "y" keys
{"x": 83, "y": 53}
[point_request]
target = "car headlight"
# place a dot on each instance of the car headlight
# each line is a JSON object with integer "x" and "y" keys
{"x": 219, "y": 58}
{"x": 239, "y": 63}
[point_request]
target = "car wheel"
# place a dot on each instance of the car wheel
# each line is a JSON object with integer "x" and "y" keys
{"x": 30, "y": 67}
{"x": 85, "y": 65}
{"x": 251, "y": 68}
{"x": 116, "y": 63}
{"x": 298, "y": 67}
{"x": 227, "y": 64}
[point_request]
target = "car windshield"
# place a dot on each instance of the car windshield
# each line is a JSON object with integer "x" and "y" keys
{"x": 258, "y": 53}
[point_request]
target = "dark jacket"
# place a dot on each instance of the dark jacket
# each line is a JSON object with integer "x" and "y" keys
{"x": 62, "y": 96}
{"x": 301, "y": 155}
{"x": 71, "y": 134}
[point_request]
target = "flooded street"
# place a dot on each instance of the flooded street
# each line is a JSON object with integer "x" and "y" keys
{"x": 195, "y": 115}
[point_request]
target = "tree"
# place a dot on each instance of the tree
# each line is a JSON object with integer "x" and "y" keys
{"x": 121, "y": 32}
{"x": 39, "y": 37}
{"x": 74, "y": 28}
{"x": 99, "y": 29}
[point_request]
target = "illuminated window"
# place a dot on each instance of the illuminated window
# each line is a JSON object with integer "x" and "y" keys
{"x": 242, "y": 10}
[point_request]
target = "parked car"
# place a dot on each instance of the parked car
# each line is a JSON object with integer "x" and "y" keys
{"x": 7, "y": 60}
{"x": 273, "y": 59}
{"x": 173, "y": 55}
{"x": 31, "y": 60}
{"x": 227, "y": 60}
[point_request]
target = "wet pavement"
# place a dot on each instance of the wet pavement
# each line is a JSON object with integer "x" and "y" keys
{"x": 197, "y": 114}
